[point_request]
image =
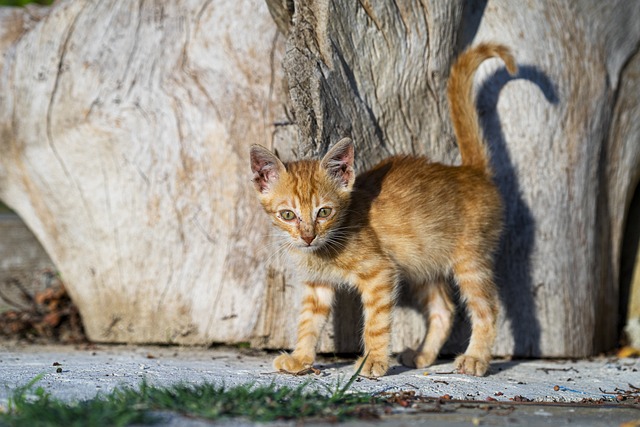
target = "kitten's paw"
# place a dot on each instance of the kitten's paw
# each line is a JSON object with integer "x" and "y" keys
{"x": 287, "y": 362}
{"x": 372, "y": 367}
{"x": 413, "y": 359}
{"x": 470, "y": 365}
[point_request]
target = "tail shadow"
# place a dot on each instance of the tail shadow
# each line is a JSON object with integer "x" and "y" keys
{"x": 513, "y": 259}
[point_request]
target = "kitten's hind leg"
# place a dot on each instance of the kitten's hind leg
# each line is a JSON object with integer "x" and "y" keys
{"x": 479, "y": 293}
{"x": 316, "y": 307}
{"x": 435, "y": 301}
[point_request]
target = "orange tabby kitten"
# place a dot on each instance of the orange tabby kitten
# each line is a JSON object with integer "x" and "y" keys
{"x": 405, "y": 219}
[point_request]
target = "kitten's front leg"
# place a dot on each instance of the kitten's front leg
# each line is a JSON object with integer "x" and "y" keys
{"x": 378, "y": 301}
{"x": 316, "y": 306}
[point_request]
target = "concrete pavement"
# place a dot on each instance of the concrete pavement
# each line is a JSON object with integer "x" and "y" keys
{"x": 76, "y": 373}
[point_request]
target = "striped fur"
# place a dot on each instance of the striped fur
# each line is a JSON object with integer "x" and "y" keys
{"x": 405, "y": 219}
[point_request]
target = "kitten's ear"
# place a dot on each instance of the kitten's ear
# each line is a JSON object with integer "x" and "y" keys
{"x": 266, "y": 167}
{"x": 338, "y": 162}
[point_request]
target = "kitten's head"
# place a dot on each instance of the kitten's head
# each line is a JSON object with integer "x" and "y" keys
{"x": 306, "y": 199}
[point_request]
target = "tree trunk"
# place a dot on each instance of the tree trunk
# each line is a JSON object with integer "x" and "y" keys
{"x": 563, "y": 136}
{"x": 125, "y": 127}
{"x": 124, "y": 133}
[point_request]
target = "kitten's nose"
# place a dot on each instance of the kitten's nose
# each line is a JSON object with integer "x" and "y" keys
{"x": 308, "y": 239}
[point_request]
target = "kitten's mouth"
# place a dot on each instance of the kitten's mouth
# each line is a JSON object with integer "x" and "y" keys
{"x": 309, "y": 247}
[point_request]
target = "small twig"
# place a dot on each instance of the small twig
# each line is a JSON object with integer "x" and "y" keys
{"x": 301, "y": 372}
{"x": 622, "y": 392}
{"x": 547, "y": 370}
{"x": 609, "y": 392}
{"x": 24, "y": 291}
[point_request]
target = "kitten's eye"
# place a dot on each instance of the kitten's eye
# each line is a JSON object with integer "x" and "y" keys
{"x": 324, "y": 212}
{"x": 287, "y": 215}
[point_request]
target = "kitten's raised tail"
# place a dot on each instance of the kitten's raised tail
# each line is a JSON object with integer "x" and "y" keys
{"x": 464, "y": 116}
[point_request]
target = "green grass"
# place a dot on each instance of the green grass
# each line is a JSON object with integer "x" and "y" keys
{"x": 22, "y": 3}
{"x": 33, "y": 406}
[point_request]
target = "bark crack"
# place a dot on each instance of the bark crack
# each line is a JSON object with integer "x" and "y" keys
{"x": 116, "y": 234}
{"x": 272, "y": 83}
{"x": 49, "y": 115}
{"x": 134, "y": 49}
{"x": 192, "y": 74}
{"x": 403, "y": 18}
{"x": 200, "y": 12}
{"x": 430, "y": 83}
{"x": 407, "y": 124}
{"x": 201, "y": 228}
{"x": 185, "y": 168}
{"x": 368, "y": 9}
{"x": 166, "y": 287}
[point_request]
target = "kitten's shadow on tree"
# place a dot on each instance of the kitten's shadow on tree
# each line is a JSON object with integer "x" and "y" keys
{"x": 513, "y": 259}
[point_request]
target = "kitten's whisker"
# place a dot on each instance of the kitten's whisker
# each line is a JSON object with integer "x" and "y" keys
{"x": 284, "y": 247}
{"x": 274, "y": 244}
